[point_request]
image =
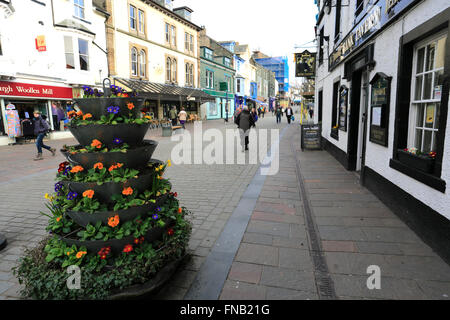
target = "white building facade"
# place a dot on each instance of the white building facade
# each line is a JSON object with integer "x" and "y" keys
{"x": 48, "y": 51}
{"x": 382, "y": 84}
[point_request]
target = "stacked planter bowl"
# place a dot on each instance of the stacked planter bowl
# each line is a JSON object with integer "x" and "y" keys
{"x": 138, "y": 156}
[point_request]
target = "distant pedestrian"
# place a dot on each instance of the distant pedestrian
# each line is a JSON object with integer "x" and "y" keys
{"x": 278, "y": 113}
{"x": 254, "y": 114}
{"x": 311, "y": 113}
{"x": 41, "y": 127}
{"x": 173, "y": 116}
{"x": 244, "y": 122}
{"x": 263, "y": 111}
{"x": 182, "y": 116}
{"x": 289, "y": 114}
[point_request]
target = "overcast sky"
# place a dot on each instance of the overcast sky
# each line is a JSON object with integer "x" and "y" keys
{"x": 274, "y": 27}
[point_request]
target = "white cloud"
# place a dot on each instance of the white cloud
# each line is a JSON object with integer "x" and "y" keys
{"x": 274, "y": 27}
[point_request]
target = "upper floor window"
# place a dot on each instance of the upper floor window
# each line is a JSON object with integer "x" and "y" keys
{"x": 170, "y": 34}
{"x": 171, "y": 69}
{"x": 141, "y": 21}
{"x": 79, "y": 8}
{"x": 174, "y": 35}
{"x": 428, "y": 79}
{"x": 142, "y": 63}
{"x": 359, "y": 7}
{"x": 174, "y": 70}
{"x": 1, "y": 53}
{"x": 209, "y": 79}
{"x": 132, "y": 17}
{"x": 134, "y": 62}
{"x": 208, "y": 53}
{"x": 83, "y": 51}
{"x": 189, "y": 74}
{"x": 321, "y": 35}
{"x": 239, "y": 85}
{"x": 68, "y": 49}
{"x": 167, "y": 33}
{"x": 337, "y": 23}
{"x": 189, "y": 42}
{"x": 226, "y": 61}
{"x": 168, "y": 69}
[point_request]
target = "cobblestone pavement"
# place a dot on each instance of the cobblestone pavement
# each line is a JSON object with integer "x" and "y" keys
{"x": 354, "y": 231}
{"x": 274, "y": 261}
{"x": 211, "y": 192}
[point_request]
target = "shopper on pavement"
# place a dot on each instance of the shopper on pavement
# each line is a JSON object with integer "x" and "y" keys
{"x": 244, "y": 122}
{"x": 182, "y": 116}
{"x": 173, "y": 116}
{"x": 289, "y": 114}
{"x": 254, "y": 114}
{"x": 278, "y": 113}
{"x": 311, "y": 113}
{"x": 41, "y": 127}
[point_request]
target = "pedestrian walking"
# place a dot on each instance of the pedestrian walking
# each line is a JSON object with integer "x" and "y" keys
{"x": 182, "y": 116}
{"x": 245, "y": 122}
{"x": 263, "y": 111}
{"x": 289, "y": 114}
{"x": 311, "y": 113}
{"x": 41, "y": 127}
{"x": 173, "y": 116}
{"x": 254, "y": 115}
{"x": 278, "y": 113}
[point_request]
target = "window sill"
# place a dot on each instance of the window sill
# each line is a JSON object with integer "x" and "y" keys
{"x": 428, "y": 179}
{"x": 81, "y": 19}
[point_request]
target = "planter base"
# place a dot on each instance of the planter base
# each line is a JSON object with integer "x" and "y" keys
{"x": 152, "y": 286}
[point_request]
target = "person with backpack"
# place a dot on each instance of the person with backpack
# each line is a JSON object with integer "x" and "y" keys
{"x": 41, "y": 127}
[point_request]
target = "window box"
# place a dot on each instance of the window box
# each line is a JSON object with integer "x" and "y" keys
{"x": 422, "y": 163}
{"x": 335, "y": 133}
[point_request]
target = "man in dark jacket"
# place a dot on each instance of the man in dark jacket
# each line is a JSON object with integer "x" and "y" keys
{"x": 244, "y": 122}
{"x": 41, "y": 128}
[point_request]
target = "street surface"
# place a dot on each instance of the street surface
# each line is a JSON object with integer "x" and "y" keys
{"x": 311, "y": 233}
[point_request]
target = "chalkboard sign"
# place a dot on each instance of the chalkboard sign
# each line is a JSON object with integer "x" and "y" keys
{"x": 343, "y": 106}
{"x": 311, "y": 137}
{"x": 379, "y": 109}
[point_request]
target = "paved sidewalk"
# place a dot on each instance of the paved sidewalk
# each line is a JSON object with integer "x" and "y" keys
{"x": 354, "y": 231}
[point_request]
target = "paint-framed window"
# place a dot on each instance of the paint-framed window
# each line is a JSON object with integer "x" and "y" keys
{"x": 68, "y": 50}
{"x": 168, "y": 69}
{"x": 227, "y": 61}
{"x": 174, "y": 70}
{"x": 78, "y": 6}
{"x": 83, "y": 51}
{"x": 189, "y": 70}
{"x": 141, "y": 21}
{"x": 133, "y": 18}
{"x": 209, "y": 79}
{"x": 134, "y": 61}
{"x": 142, "y": 63}
{"x": 426, "y": 93}
{"x": 208, "y": 53}
{"x": 191, "y": 43}
{"x": 167, "y": 32}
{"x": 173, "y": 33}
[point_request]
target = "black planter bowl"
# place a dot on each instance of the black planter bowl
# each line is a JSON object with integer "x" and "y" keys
{"x": 117, "y": 245}
{"x": 98, "y": 107}
{"x": 135, "y": 157}
{"x": 84, "y": 218}
{"x": 131, "y": 133}
{"x": 103, "y": 192}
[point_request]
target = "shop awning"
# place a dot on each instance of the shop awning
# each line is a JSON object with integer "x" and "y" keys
{"x": 162, "y": 91}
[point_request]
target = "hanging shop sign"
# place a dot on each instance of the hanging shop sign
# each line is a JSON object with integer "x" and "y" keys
{"x": 379, "y": 109}
{"x": 40, "y": 43}
{"x": 343, "y": 108}
{"x": 305, "y": 64}
{"x": 18, "y": 89}
{"x": 378, "y": 17}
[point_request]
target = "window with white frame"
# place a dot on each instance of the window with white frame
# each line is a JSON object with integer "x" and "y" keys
{"x": 68, "y": 49}
{"x": 226, "y": 61}
{"x": 209, "y": 79}
{"x": 168, "y": 69}
{"x": 83, "y": 50}
{"x": 208, "y": 53}
{"x": 189, "y": 68}
{"x": 174, "y": 70}
{"x": 141, "y": 21}
{"x": 186, "y": 41}
{"x": 134, "y": 62}
{"x": 132, "y": 17}
{"x": 167, "y": 32}
{"x": 142, "y": 63}
{"x": 428, "y": 78}
{"x": 191, "y": 43}
{"x": 173, "y": 35}
{"x": 78, "y": 6}
{"x": 239, "y": 85}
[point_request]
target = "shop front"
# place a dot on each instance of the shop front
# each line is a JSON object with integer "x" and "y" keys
{"x": 19, "y": 100}
{"x": 222, "y": 108}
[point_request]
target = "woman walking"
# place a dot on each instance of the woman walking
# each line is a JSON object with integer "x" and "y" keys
{"x": 41, "y": 128}
{"x": 289, "y": 114}
{"x": 244, "y": 122}
{"x": 182, "y": 116}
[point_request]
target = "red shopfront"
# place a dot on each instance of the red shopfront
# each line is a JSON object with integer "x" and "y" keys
{"x": 26, "y": 98}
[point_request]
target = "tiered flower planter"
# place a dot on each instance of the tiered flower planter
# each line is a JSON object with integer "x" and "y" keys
{"x": 136, "y": 158}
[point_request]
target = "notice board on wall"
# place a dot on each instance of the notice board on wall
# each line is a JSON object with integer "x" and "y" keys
{"x": 379, "y": 109}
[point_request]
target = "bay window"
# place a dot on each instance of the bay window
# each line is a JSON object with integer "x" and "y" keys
{"x": 68, "y": 48}
{"x": 83, "y": 51}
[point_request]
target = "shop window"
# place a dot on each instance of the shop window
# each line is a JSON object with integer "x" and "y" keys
{"x": 141, "y": 21}
{"x": 428, "y": 79}
{"x": 142, "y": 63}
{"x": 209, "y": 79}
{"x": 132, "y": 17}
{"x": 78, "y": 6}
{"x": 83, "y": 51}
{"x": 68, "y": 48}
{"x": 134, "y": 62}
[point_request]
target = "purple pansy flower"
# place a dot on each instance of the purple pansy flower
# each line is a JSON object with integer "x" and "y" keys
{"x": 158, "y": 209}
{"x": 72, "y": 195}
{"x": 155, "y": 217}
{"x": 117, "y": 141}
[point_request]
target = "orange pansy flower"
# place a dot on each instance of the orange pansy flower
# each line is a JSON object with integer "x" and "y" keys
{"x": 130, "y": 106}
{"x": 79, "y": 113}
{"x": 57, "y": 219}
{"x": 77, "y": 169}
{"x": 127, "y": 191}
{"x": 80, "y": 254}
{"x": 98, "y": 166}
{"x": 87, "y": 116}
{"x": 88, "y": 194}
{"x": 96, "y": 144}
{"x": 113, "y": 221}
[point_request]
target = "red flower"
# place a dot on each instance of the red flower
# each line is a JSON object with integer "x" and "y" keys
{"x": 128, "y": 248}
{"x": 141, "y": 239}
{"x": 136, "y": 241}
{"x": 175, "y": 194}
{"x": 170, "y": 232}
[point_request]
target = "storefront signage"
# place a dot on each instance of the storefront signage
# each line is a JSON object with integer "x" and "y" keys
{"x": 40, "y": 43}
{"x": 305, "y": 64}
{"x": 311, "y": 137}
{"x": 343, "y": 107}
{"x": 382, "y": 12}
{"x": 379, "y": 109}
{"x": 34, "y": 90}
